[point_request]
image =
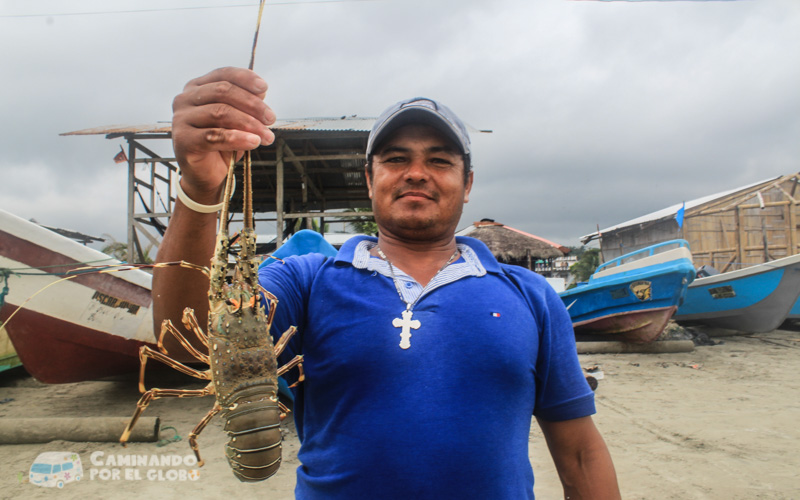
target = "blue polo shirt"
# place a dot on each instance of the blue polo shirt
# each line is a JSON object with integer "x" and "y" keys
{"x": 448, "y": 417}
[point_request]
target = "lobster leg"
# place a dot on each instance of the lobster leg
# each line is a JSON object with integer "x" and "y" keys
{"x": 152, "y": 394}
{"x": 146, "y": 352}
{"x": 167, "y": 326}
{"x": 190, "y": 322}
{"x": 282, "y": 342}
{"x": 198, "y": 429}
{"x": 298, "y": 362}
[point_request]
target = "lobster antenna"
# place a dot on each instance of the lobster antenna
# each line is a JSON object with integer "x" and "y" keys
{"x": 247, "y": 189}
{"x": 247, "y": 192}
{"x": 223, "y": 215}
{"x": 255, "y": 38}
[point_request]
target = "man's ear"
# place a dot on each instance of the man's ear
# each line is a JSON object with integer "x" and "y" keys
{"x": 369, "y": 181}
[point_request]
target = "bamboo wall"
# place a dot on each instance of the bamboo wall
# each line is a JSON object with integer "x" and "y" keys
{"x": 752, "y": 226}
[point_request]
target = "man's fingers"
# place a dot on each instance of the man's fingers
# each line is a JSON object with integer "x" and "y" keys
{"x": 215, "y": 114}
{"x": 240, "y": 77}
{"x": 202, "y": 140}
{"x": 220, "y": 116}
{"x": 229, "y": 94}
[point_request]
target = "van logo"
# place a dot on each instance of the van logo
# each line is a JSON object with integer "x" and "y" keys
{"x": 55, "y": 469}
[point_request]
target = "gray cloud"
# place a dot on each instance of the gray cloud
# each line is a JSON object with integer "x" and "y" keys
{"x": 601, "y": 111}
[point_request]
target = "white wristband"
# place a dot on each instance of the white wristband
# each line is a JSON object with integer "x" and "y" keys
{"x": 197, "y": 207}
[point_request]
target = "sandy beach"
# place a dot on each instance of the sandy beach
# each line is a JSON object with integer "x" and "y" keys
{"x": 719, "y": 422}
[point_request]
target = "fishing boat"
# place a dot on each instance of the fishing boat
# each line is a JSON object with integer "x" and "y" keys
{"x": 68, "y": 330}
{"x": 755, "y": 299}
{"x": 792, "y": 321}
{"x": 8, "y": 356}
{"x": 632, "y": 297}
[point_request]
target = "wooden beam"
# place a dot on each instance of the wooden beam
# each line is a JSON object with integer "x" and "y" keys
{"x": 131, "y": 192}
{"x": 741, "y": 239}
{"x": 792, "y": 209}
{"x": 786, "y": 194}
{"x": 322, "y": 158}
{"x": 152, "y": 239}
{"x": 301, "y": 169}
{"x": 728, "y": 209}
{"x": 153, "y": 155}
{"x": 728, "y": 265}
{"x": 154, "y": 160}
{"x": 279, "y": 193}
{"x": 303, "y": 215}
{"x": 331, "y": 157}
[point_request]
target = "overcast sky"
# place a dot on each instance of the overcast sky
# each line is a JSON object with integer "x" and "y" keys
{"x": 601, "y": 111}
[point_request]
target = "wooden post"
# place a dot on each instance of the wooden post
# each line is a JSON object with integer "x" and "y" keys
{"x": 600, "y": 240}
{"x": 279, "y": 192}
{"x": 741, "y": 236}
{"x": 131, "y": 202}
{"x": 791, "y": 220}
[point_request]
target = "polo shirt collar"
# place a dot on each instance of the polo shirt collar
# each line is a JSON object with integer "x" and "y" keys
{"x": 347, "y": 252}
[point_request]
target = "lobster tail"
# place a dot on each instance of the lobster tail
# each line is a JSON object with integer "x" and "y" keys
{"x": 254, "y": 448}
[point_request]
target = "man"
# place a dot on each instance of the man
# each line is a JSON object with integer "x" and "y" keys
{"x": 424, "y": 357}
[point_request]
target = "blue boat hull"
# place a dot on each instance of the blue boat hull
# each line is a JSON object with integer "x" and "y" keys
{"x": 633, "y": 306}
{"x": 752, "y": 300}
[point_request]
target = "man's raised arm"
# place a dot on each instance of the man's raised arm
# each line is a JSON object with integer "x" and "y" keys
{"x": 216, "y": 114}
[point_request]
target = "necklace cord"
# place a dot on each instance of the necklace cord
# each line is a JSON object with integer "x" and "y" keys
{"x": 410, "y": 305}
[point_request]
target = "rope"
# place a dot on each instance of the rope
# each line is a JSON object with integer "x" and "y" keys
{"x": 173, "y": 439}
{"x": 74, "y": 273}
{"x": 15, "y": 269}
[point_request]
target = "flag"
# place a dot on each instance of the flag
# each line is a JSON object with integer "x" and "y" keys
{"x": 121, "y": 157}
{"x": 679, "y": 215}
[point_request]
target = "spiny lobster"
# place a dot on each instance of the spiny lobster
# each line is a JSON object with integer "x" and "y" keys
{"x": 242, "y": 360}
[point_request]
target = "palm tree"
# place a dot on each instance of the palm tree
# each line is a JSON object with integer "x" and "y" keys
{"x": 119, "y": 250}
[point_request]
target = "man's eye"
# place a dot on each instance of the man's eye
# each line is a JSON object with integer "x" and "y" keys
{"x": 395, "y": 159}
{"x": 441, "y": 162}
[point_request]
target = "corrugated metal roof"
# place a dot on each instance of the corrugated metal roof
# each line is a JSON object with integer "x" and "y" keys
{"x": 671, "y": 211}
{"x": 352, "y": 123}
{"x": 123, "y": 129}
{"x": 344, "y": 123}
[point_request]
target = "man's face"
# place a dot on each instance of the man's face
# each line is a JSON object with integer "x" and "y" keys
{"x": 417, "y": 184}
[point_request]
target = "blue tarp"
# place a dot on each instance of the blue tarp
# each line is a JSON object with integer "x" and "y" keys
{"x": 302, "y": 242}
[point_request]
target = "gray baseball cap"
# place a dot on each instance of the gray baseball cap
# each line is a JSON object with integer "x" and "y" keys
{"x": 419, "y": 110}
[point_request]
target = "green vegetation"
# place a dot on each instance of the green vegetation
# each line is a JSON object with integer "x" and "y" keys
{"x": 366, "y": 224}
{"x": 588, "y": 261}
{"x": 119, "y": 250}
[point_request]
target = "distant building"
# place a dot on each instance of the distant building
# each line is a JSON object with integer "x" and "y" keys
{"x": 512, "y": 246}
{"x": 557, "y": 268}
{"x": 733, "y": 229}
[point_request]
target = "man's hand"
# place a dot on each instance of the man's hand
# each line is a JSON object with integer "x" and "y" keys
{"x": 216, "y": 114}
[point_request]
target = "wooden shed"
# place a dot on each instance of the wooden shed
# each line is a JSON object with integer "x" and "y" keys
{"x": 734, "y": 229}
{"x": 313, "y": 172}
{"x": 513, "y": 246}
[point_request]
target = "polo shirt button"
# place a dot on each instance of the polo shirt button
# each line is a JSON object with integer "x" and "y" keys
{"x": 409, "y": 284}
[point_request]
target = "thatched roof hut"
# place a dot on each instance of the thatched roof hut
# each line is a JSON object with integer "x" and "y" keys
{"x": 513, "y": 246}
